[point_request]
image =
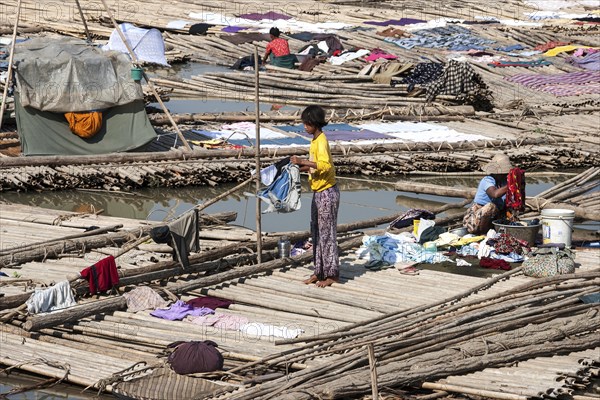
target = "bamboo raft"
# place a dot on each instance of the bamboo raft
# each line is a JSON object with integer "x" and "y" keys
{"x": 376, "y": 333}
{"x": 401, "y": 316}
{"x": 532, "y": 145}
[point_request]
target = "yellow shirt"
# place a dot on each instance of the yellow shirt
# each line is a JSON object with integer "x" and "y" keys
{"x": 323, "y": 177}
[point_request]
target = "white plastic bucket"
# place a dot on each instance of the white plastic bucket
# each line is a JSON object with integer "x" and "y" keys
{"x": 557, "y": 225}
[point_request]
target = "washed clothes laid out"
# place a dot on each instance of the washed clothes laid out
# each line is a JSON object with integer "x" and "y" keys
{"x": 452, "y": 37}
{"x": 590, "y": 61}
{"x": 566, "y": 84}
{"x": 458, "y": 79}
{"x": 392, "y": 249}
{"x": 179, "y": 310}
{"x": 147, "y": 44}
{"x": 210, "y": 302}
{"x": 181, "y": 234}
{"x": 524, "y": 64}
{"x": 397, "y": 22}
{"x": 409, "y": 216}
{"x": 144, "y": 298}
{"x": 423, "y": 74}
{"x": 242, "y": 324}
{"x": 220, "y": 321}
{"x": 101, "y": 276}
{"x": 51, "y": 299}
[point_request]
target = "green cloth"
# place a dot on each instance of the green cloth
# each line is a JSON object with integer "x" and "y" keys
{"x": 124, "y": 128}
{"x": 288, "y": 61}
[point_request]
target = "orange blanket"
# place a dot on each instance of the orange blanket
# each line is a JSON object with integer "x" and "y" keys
{"x": 84, "y": 124}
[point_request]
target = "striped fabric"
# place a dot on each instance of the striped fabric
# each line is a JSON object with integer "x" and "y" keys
{"x": 164, "y": 384}
{"x": 567, "y": 84}
{"x": 571, "y": 90}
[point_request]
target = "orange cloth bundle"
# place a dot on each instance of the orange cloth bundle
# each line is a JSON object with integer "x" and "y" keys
{"x": 84, "y": 124}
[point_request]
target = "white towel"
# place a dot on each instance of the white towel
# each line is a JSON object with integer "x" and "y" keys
{"x": 53, "y": 298}
{"x": 256, "y": 329}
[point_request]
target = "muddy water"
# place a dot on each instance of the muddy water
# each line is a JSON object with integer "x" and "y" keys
{"x": 362, "y": 198}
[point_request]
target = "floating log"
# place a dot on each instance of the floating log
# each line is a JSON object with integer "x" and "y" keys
{"x": 75, "y": 313}
{"x": 438, "y": 190}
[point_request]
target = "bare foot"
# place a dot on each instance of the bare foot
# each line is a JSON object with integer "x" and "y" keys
{"x": 312, "y": 279}
{"x": 327, "y": 282}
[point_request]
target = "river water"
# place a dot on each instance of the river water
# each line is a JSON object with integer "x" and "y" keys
{"x": 362, "y": 198}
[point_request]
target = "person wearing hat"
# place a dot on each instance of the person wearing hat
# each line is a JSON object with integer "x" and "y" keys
{"x": 279, "y": 51}
{"x": 489, "y": 199}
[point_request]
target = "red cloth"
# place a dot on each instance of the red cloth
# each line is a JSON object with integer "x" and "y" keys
{"x": 550, "y": 45}
{"x": 209, "y": 302}
{"x": 493, "y": 263}
{"x": 515, "y": 196}
{"x": 279, "y": 47}
{"x": 101, "y": 276}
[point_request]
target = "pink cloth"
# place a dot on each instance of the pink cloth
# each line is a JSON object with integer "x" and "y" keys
{"x": 378, "y": 53}
{"x": 220, "y": 320}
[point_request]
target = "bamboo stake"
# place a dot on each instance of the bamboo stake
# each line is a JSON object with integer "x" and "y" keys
{"x": 373, "y": 370}
{"x": 257, "y": 156}
{"x": 150, "y": 84}
{"x": 85, "y": 26}
{"x": 10, "y": 63}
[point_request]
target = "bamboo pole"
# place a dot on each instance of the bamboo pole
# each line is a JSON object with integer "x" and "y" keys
{"x": 198, "y": 208}
{"x": 150, "y": 84}
{"x": 257, "y": 155}
{"x": 85, "y": 26}
{"x": 472, "y": 391}
{"x": 10, "y": 63}
{"x": 373, "y": 370}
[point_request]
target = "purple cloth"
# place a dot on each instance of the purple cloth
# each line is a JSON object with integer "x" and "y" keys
{"x": 567, "y": 84}
{"x": 591, "y": 61}
{"x": 536, "y": 81}
{"x": 180, "y": 310}
{"x": 353, "y": 135}
{"x": 400, "y": 22}
{"x": 210, "y": 302}
{"x": 233, "y": 29}
{"x": 268, "y": 15}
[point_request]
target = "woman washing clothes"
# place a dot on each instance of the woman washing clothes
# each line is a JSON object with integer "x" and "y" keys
{"x": 279, "y": 51}
{"x": 489, "y": 201}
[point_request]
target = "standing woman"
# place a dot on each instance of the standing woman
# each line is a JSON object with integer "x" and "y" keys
{"x": 325, "y": 202}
